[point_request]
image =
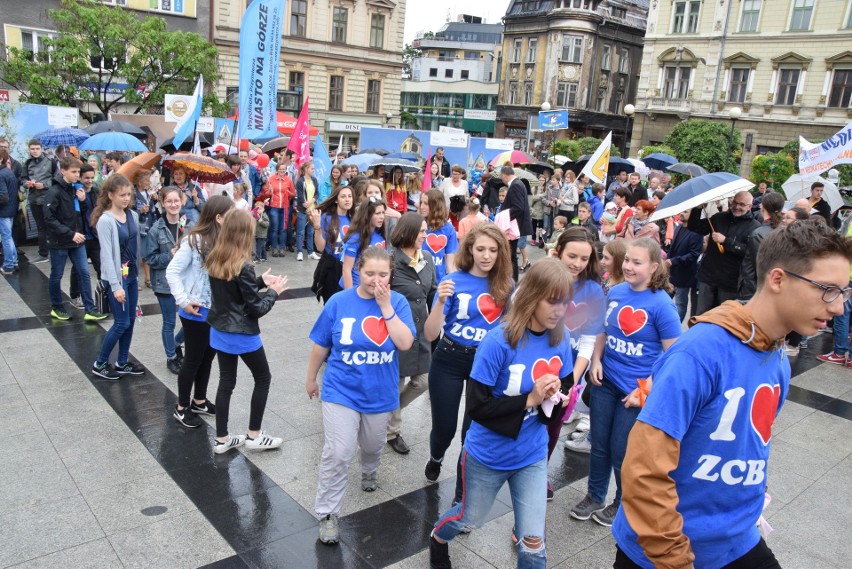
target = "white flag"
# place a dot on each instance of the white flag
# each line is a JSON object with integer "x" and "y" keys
{"x": 598, "y": 165}
{"x": 186, "y": 124}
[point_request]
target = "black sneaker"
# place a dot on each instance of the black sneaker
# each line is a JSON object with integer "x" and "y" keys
{"x": 187, "y": 418}
{"x": 105, "y": 371}
{"x": 205, "y": 408}
{"x": 179, "y": 352}
{"x": 439, "y": 555}
{"x": 129, "y": 368}
{"x": 173, "y": 365}
{"x": 433, "y": 470}
{"x": 60, "y": 314}
{"x": 39, "y": 259}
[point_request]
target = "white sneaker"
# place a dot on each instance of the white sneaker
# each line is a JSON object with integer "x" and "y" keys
{"x": 583, "y": 424}
{"x": 263, "y": 442}
{"x": 233, "y": 442}
{"x": 300, "y": 257}
{"x": 581, "y": 445}
{"x": 578, "y": 435}
{"x": 314, "y": 256}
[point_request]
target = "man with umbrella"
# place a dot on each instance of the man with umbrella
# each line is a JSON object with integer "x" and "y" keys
{"x": 729, "y": 230}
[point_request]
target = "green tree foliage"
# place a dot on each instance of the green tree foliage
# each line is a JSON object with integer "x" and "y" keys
{"x": 773, "y": 168}
{"x": 706, "y": 143}
{"x": 108, "y": 56}
{"x": 408, "y": 120}
{"x": 589, "y": 144}
{"x": 573, "y": 148}
{"x": 409, "y": 53}
{"x": 792, "y": 149}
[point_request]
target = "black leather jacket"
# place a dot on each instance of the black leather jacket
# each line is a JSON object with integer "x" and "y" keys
{"x": 237, "y": 304}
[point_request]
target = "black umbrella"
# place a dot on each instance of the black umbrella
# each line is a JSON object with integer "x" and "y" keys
{"x": 275, "y": 144}
{"x": 539, "y": 167}
{"x": 379, "y": 151}
{"x": 116, "y": 126}
{"x": 689, "y": 168}
{"x": 205, "y": 138}
{"x": 615, "y": 165}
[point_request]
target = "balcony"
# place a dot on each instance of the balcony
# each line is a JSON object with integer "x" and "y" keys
{"x": 670, "y": 105}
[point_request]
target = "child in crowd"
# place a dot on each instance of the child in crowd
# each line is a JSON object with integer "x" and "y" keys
{"x": 584, "y": 219}
{"x": 261, "y": 219}
{"x": 474, "y": 216}
{"x": 240, "y": 197}
{"x": 560, "y": 223}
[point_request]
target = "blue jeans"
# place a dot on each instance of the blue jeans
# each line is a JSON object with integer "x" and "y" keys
{"x": 682, "y": 296}
{"x": 10, "y": 253}
{"x": 301, "y": 225}
{"x": 168, "y": 309}
{"x": 611, "y": 424}
{"x": 80, "y": 265}
{"x": 841, "y": 328}
{"x": 277, "y": 227}
{"x": 528, "y": 487}
{"x": 123, "y": 318}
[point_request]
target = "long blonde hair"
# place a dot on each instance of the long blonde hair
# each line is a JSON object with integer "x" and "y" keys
{"x": 547, "y": 280}
{"x": 233, "y": 247}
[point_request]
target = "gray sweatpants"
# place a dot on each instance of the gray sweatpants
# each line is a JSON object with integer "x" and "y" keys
{"x": 345, "y": 430}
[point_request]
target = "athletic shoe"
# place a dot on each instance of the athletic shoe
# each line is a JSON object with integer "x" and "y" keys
{"x": 60, "y": 314}
{"x": 606, "y": 515}
{"x": 104, "y": 371}
{"x": 173, "y": 365}
{"x": 581, "y": 445}
{"x": 275, "y": 253}
{"x": 328, "y": 532}
{"x": 233, "y": 441}
{"x": 549, "y": 493}
{"x": 300, "y": 257}
{"x": 368, "y": 482}
{"x": 439, "y": 554}
{"x": 205, "y": 408}
{"x": 7, "y": 272}
{"x": 39, "y": 259}
{"x": 433, "y": 470}
{"x": 583, "y": 424}
{"x": 584, "y": 510}
{"x": 187, "y": 418}
{"x": 314, "y": 256}
{"x": 77, "y": 303}
{"x": 833, "y": 358}
{"x": 578, "y": 435}
{"x": 263, "y": 442}
{"x": 94, "y": 316}
{"x": 129, "y": 368}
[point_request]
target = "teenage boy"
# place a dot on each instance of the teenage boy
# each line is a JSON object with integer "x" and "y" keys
{"x": 38, "y": 177}
{"x": 694, "y": 475}
{"x": 93, "y": 248}
{"x": 64, "y": 218}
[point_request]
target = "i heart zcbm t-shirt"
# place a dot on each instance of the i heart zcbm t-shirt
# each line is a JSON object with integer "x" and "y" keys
{"x": 362, "y": 371}
{"x": 585, "y": 313}
{"x": 441, "y": 243}
{"x": 635, "y": 324}
{"x": 343, "y": 226}
{"x": 352, "y": 248}
{"x": 471, "y": 311}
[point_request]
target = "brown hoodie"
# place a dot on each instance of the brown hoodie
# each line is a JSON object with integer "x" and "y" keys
{"x": 650, "y": 495}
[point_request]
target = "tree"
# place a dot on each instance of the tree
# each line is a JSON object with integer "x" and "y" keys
{"x": 706, "y": 143}
{"x": 107, "y": 56}
{"x": 773, "y": 168}
{"x": 589, "y": 144}
{"x": 792, "y": 149}
{"x": 409, "y": 53}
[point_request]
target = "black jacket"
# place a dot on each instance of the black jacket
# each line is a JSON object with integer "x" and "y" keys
{"x": 419, "y": 290}
{"x": 236, "y": 305}
{"x": 445, "y": 166}
{"x": 640, "y": 192}
{"x": 60, "y": 217}
{"x": 519, "y": 206}
{"x": 747, "y": 284}
{"x": 822, "y": 208}
{"x": 491, "y": 193}
{"x": 719, "y": 269}
{"x": 683, "y": 253}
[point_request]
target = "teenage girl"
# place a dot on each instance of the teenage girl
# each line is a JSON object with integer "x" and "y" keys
{"x": 612, "y": 262}
{"x": 395, "y": 191}
{"x": 234, "y": 332}
{"x": 441, "y": 240}
{"x": 330, "y": 221}
{"x": 365, "y": 230}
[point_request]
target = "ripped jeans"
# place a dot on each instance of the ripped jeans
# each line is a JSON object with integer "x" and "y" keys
{"x": 528, "y": 488}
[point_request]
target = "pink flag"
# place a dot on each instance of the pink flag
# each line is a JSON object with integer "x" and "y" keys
{"x": 300, "y": 142}
{"x": 427, "y": 173}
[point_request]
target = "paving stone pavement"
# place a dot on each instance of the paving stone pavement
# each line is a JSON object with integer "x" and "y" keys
{"x": 97, "y": 474}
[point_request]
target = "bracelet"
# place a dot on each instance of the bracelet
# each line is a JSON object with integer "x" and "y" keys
{"x": 391, "y": 317}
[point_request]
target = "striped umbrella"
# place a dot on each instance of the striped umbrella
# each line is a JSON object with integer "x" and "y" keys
{"x": 201, "y": 168}
{"x": 513, "y": 156}
{"x": 62, "y": 136}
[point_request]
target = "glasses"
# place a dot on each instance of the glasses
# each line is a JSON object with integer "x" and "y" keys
{"x": 742, "y": 204}
{"x": 830, "y": 293}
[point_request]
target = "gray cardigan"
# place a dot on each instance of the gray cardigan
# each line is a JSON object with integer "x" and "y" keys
{"x": 418, "y": 288}
{"x": 110, "y": 251}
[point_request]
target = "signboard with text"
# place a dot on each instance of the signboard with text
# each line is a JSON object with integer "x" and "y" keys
{"x": 553, "y": 120}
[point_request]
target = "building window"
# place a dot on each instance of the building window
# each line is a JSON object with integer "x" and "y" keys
{"x": 297, "y": 81}
{"x": 97, "y": 61}
{"x": 802, "y": 12}
{"x": 374, "y": 94}
{"x": 516, "y": 52}
{"x": 676, "y": 82}
{"x": 532, "y": 45}
{"x": 513, "y": 93}
{"x": 528, "y": 93}
{"x": 433, "y": 72}
{"x": 606, "y": 60}
{"x": 841, "y": 89}
{"x": 685, "y": 17}
{"x": 739, "y": 84}
{"x": 339, "y": 20}
{"x": 34, "y": 42}
{"x": 335, "y": 93}
{"x": 465, "y": 74}
{"x": 849, "y": 16}
{"x": 377, "y": 31}
{"x": 624, "y": 62}
{"x": 566, "y": 94}
{"x": 788, "y": 84}
{"x": 751, "y": 15}
{"x": 174, "y": 6}
{"x": 572, "y": 49}
{"x": 299, "y": 18}
{"x": 448, "y": 73}
{"x": 620, "y": 13}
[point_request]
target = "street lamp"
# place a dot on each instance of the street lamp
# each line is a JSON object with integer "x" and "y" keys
{"x": 629, "y": 111}
{"x": 734, "y": 113}
{"x": 545, "y": 106}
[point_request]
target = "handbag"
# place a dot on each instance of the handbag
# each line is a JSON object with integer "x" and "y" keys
{"x": 102, "y": 298}
{"x": 507, "y": 225}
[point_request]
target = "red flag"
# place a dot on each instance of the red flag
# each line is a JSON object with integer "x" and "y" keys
{"x": 427, "y": 173}
{"x": 300, "y": 142}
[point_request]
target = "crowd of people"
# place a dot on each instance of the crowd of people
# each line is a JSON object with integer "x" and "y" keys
{"x": 422, "y": 292}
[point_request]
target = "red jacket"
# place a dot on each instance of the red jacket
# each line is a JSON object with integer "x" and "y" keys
{"x": 282, "y": 190}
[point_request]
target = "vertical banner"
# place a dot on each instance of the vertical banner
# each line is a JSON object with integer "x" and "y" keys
{"x": 300, "y": 143}
{"x": 598, "y": 165}
{"x": 322, "y": 163}
{"x": 260, "y": 53}
{"x": 186, "y": 124}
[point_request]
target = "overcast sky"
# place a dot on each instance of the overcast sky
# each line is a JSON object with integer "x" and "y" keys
{"x": 430, "y": 15}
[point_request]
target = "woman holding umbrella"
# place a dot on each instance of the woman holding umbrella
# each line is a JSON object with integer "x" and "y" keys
{"x": 191, "y": 196}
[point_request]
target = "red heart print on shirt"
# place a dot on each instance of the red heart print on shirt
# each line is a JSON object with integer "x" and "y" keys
{"x": 375, "y": 329}
{"x": 542, "y": 367}
{"x": 380, "y": 244}
{"x": 764, "y": 406}
{"x": 488, "y": 307}
{"x": 436, "y": 242}
{"x": 631, "y": 321}
{"x": 343, "y": 230}
{"x": 576, "y": 315}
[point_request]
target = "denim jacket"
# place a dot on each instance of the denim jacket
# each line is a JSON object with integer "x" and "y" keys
{"x": 187, "y": 277}
{"x": 158, "y": 247}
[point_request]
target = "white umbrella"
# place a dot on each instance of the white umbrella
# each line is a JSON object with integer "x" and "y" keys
{"x": 798, "y": 186}
{"x": 641, "y": 169}
{"x": 559, "y": 160}
{"x": 700, "y": 191}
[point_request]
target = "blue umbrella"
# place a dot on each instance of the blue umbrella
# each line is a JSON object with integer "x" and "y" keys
{"x": 114, "y": 141}
{"x": 59, "y": 136}
{"x": 659, "y": 161}
{"x": 363, "y": 161}
{"x": 700, "y": 191}
{"x": 403, "y": 156}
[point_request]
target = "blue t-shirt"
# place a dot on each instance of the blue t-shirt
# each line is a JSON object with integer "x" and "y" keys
{"x": 722, "y": 412}
{"x": 343, "y": 227}
{"x": 233, "y": 343}
{"x": 585, "y": 313}
{"x": 202, "y": 318}
{"x": 513, "y": 372}
{"x": 471, "y": 311}
{"x": 352, "y": 248}
{"x": 441, "y": 243}
{"x": 362, "y": 371}
{"x": 636, "y": 323}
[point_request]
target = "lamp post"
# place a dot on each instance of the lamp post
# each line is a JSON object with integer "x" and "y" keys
{"x": 545, "y": 106}
{"x": 734, "y": 113}
{"x": 629, "y": 111}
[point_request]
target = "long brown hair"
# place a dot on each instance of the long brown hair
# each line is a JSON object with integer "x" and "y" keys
{"x": 329, "y": 206}
{"x": 115, "y": 183}
{"x": 361, "y": 221}
{"x": 500, "y": 282}
{"x": 437, "y": 209}
{"x": 203, "y": 236}
{"x": 616, "y": 249}
{"x": 580, "y": 235}
{"x": 660, "y": 278}
{"x": 547, "y": 280}
{"x": 234, "y": 249}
